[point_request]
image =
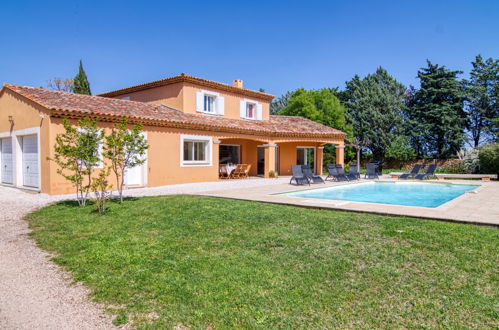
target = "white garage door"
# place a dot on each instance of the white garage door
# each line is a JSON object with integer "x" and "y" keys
{"x": 6, "y": 161}
{"x": 30, "y": 161}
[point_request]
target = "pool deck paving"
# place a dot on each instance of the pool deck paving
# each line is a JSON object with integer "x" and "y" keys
{"x": 480, "y": 206}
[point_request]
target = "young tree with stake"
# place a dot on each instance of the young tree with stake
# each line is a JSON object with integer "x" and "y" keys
{"x": 77, "y": 154}
{"x": 125, "y": 149}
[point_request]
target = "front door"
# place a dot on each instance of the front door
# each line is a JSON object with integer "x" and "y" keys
{"x": 134, "y": 176}
{"x": 6, "y": 161}
{"x": 30, "y": 161}
{"x": 306, "y": 156}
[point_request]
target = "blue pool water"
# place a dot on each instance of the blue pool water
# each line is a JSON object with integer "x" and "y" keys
{"x": 398, "y": 193}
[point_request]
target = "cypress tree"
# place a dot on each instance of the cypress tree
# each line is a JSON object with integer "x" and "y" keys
{"x": 81, "y": 84}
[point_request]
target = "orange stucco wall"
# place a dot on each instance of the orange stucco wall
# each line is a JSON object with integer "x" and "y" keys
{"x": 182, "y": 96}
{"x": 171, "y": 95}
{"x": 232, "y": 101}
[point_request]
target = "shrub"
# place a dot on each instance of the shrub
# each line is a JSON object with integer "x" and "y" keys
{"x": 454, "y": 167}
{"x": 489, "y": 159}
{"x": 469, "y": 160}
{"x": 101, "y": 189}
{"x": 272, "y": 174}
{"x": 400, "y": 149}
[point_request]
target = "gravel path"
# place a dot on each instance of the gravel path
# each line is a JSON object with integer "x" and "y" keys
{"x": 37, "y": 294}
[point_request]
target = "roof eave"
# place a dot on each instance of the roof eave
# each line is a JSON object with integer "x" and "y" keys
{"x": 61, "y": 113}
{"x": 188, "y": 79}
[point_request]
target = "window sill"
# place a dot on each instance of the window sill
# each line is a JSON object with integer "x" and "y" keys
{"x": 190, "y": 164}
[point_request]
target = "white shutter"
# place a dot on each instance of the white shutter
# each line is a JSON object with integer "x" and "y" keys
{"x": 199, "y": 101}
{"x": 220, "y": 105}
{"x": 242, "y": 107}
{"x": 259, "y": 111}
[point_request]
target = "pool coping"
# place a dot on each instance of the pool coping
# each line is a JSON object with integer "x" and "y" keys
{"x": 473, "y": 208}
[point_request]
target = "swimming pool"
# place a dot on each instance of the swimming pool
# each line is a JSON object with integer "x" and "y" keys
{"x": 397, "y": 193}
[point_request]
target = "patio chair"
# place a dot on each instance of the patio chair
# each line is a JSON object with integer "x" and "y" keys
{"x": 311, "y": 177}
{"x": 245, "y": 171}
{"x": 237, "y": 172}
{"x": 379, "y": 166}
{"x": 412, "y": 173}
{"x": 223, "y": 172}
{"x": 353, "y": 174}
{"x": 371, "y": 171}
{"x": 430, "y": 171}
{"x": 298, "y": 176}
{"x": 334, "y": 175}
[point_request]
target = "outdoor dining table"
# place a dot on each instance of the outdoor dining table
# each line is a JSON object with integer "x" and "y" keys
{"x": 230, "y": 168}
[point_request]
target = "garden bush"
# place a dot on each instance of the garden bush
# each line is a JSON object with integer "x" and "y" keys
{"x": 489, "y": 159}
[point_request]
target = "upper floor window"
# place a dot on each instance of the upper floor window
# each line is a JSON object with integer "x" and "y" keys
{"x": 209, "y": 102}
{"x": 251, "y": 109}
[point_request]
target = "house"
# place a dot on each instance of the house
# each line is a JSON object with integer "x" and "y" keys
{"x": 191, "y": 124}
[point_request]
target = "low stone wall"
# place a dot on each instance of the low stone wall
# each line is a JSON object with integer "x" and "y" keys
{"x": 396, "y": 164}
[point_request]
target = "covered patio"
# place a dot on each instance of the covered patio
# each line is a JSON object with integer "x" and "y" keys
{"x": 278, "y": 155}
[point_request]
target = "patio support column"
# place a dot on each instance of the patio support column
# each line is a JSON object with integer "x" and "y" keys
{"x": 340, "y": 154}
{"x": 215, "y": 156}
{"x": 319, "y": 160}
{"x": 269, "y": 159}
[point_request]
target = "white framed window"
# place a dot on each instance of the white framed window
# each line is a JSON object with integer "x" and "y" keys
{"x": 126, "y": 98}
{"x": 251, "y": 109}
{"x": 209, "y": 102}
{"x": 195, "y": 150}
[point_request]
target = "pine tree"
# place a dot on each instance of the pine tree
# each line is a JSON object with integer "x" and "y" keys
{"x": 482, "y": 105}
{"x": 81, "y": 84}
{"x": 436, "y": 112}
{"x": 375, "y": 106}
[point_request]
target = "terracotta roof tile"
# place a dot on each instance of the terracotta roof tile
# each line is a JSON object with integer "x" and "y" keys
{"x": 69, "y": 104}
{"x": 193, "y": 80}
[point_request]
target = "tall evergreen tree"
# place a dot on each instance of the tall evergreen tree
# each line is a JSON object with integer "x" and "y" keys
{"x": 375, "y": 105}
{"x": 482, "y": 106}
{"x": 436, "y": 112}
{"x": 81, "y": 84}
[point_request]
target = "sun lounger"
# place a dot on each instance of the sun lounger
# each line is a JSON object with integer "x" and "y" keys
{"x": 412, "y": 173}
{"x": 298, "y": 176}
{"x": 311, "y": 177}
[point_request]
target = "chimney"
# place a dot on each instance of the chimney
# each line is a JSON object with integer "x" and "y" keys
{"x": 238, "y": 83}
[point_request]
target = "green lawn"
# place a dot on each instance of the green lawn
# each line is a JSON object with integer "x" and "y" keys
{"x": 203, "y": 262}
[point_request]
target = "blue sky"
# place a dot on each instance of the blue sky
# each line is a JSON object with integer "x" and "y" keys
{"x": 275, "y": 45}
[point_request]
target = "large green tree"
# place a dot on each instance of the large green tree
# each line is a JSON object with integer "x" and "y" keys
{"x": 375, "y": 105}
{"x": 80, "y": 81}
{"x": 321, "y": 106}
{"x": 436, "y": 116}
{"x": 482, "y": 107}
